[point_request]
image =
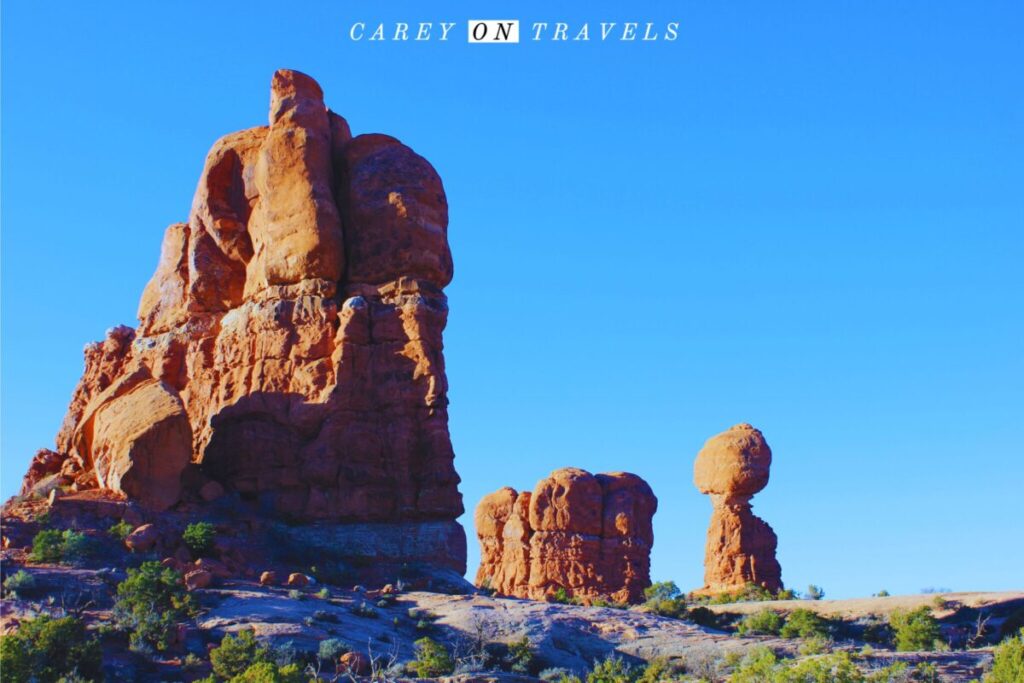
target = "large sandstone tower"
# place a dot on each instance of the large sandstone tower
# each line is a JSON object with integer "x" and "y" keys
{"x": 289, "y": 346}
{"x": 731, "y": 468}
{"x": 587, "y": 535}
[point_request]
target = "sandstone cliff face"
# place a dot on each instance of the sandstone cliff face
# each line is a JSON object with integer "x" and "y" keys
{"x": 591, "y": 535}
{"x": 289, "y": 344}
{"x": 740, "y": 549}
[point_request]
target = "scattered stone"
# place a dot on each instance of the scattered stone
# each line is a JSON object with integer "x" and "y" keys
{"x": 355, "y": 663}
{"x": 297, "y": 580}
{"x": 143, "y": 538}
{"x": 198, "y": 578}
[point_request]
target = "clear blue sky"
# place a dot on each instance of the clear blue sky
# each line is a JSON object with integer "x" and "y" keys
{"x": 804, "y": 215}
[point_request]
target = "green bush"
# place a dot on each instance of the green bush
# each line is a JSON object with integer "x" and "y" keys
{"x": 199, "y": 537}
{"x": 52, "y": 546}
{"x": 658, "y": 670}
{"x": 915, "y": 629}
{"x": 236, "y": 654}
{"x": 120, "y": 530}
{"x": 749, "y": 593}
{"x": 612, "y": 669}
{"x": 20, "y": 584}
{"x": 815, "y": 592}
{"x": 265, "y": 672}
{"x": 45, "y": 650}
{"x": 803, "y": 623}
{"x": 331, "y": 649}
{"x": 150, "y": 603}
{"x": 764, "y": 622}
{"x": 77, "y": 547}
{"x": 563, "y": 597}
{"x": 521, "y": 656}
{"x": 1008, "y": 664}
{"x": 432, "y": 659}
{"x": 761, "y": 665}
{"x": 664, "y": 599}
{"x": 47, "y": 546}
{"x": 703, "y": 616}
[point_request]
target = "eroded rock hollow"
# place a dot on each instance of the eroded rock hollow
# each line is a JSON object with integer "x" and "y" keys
{"x": 740, "y": 550}
{"x": 289, "y": 344}
{"x": 590, "y": 535}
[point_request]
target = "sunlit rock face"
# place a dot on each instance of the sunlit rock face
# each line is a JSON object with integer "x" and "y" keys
{"x": 587, "y": 535}
{"x": 740, "y": 550}
{"x": 289, "y": 344}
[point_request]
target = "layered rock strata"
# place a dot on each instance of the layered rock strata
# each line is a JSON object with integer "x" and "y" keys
{"x": 590, "y": 535}
{"x": 289, "y": 345}
{"x": 740, "y": 550}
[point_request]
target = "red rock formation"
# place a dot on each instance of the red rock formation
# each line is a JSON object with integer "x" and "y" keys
{"x": 740, "y": 549}
{"x": 590, "y": 535}
{"x": 289, "y": 345}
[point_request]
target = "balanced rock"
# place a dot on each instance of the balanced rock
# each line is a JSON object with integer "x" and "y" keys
{"x": 289, "y": 345}
{"x": 589, "y": 535}
{"x": 740, "y": 550}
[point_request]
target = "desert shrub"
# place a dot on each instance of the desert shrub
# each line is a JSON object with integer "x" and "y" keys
{"x": 556, "y": 674}
{"x": 664, "y": 599}
{"x": 295, "y": 594}
{"x": 703, "y": 616}
{"x": 786, "y": 594}
{"x": 761, "y": 665}
{"x": 20, "y": 584}
{"x": 364, "y": 610}
{"x": 120, "y": 530}
{"x": 331, "y": 649}
{"x": 657, "y": 671}
{"x": 46, "y": 650}
{"x": 815, "y": 592}
{"x": 69, "y": 547}
{"x": 612, "y": 669}
{"x": 926, "y": 671}
{"x": 563, "y": 597}
{"x": 764, "y": 622}
{"x": 1008, "y": 662}
{"x": 77, "y": 547}
{"x": 432, "y": 659}
{"x": 521, "y": 656}
{"x": 199, "y": 537}
{"x": 915, "y": 629}
{"x": 815, "y": 645}
{"x": 749, "y": 593}
{"x": 268, "y": 672}
{"x": 150, "y": 603}
{"x": 803, "y": 623}
{"x": 756, "y": 666}
{"x": 237, "y": 653}
{"x": 47, "y": 546}
{"x": 882, "y": 594}
{"x": 323, "y": 594}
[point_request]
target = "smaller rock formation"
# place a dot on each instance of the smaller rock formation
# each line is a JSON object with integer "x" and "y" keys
{"x": 740, "y": 549}
{"x": 589, "y": 535}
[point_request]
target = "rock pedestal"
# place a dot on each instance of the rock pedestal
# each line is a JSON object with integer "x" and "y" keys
{"x": 289, "y": 345}
{"x": 589, "y": 535}
{"x": 740, "y": 549}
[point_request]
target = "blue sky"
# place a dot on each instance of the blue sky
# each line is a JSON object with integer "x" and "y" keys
{"x": 805, "y": 215}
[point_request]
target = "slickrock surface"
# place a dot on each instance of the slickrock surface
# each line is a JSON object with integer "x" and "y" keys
{"x": 289, "y": 345}
{"x": 590, "y": 535}
{"x": 740, "y": 549}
